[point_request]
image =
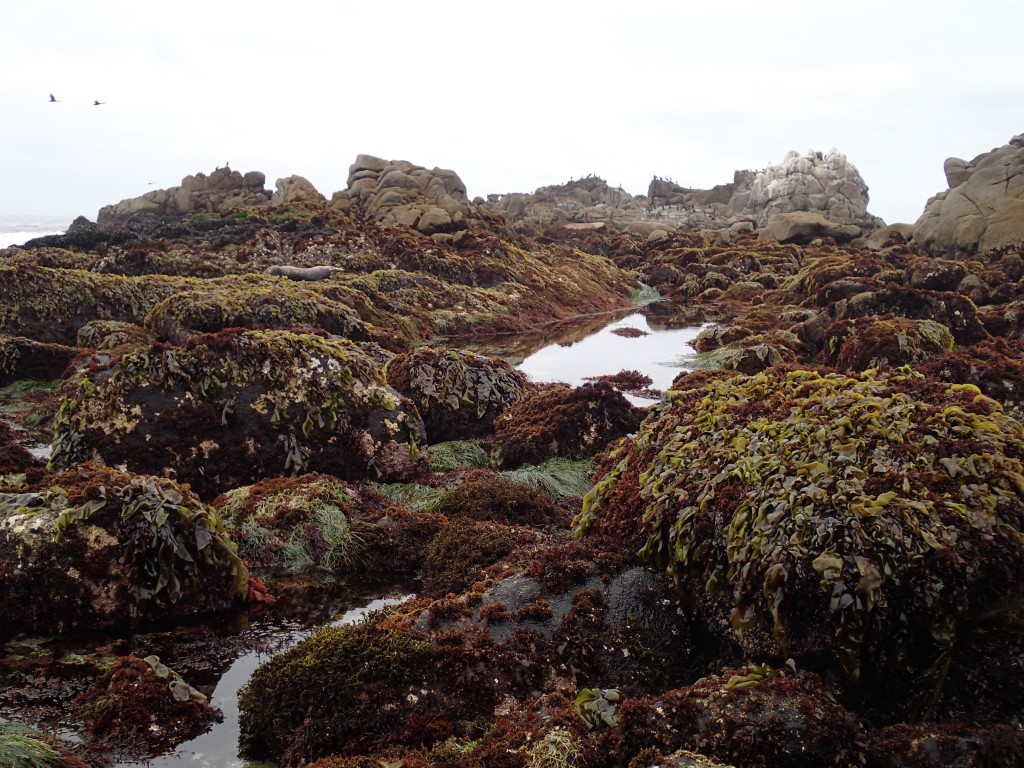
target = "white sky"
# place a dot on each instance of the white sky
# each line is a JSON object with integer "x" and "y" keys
{"x": 511, "y": 96}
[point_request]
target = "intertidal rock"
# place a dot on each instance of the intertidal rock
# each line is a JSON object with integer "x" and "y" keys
{"x": 458, "y": 394}
{"x": 228, "y": 409}
{"x": 862, "y": 519}
{"x": 983, "y": 209}
{"x": 145, "y": 706}
{"x": 95, "y": 548}
{"x": 562, "y": 421}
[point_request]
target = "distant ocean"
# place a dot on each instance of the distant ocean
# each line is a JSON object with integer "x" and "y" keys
{"x": 15, "y": 230}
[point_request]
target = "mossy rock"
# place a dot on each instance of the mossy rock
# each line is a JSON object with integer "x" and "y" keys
{"x": 50, "y": 305}
{"x": 458, "y": 394}
{"x": 498, "y": 500}
{"x": 300, "y": 523}
{"x": 228, "y": 409}
{"x": 953, "y": 310}
{"x": 262, "y": 304}
{"x": 96, "y": 548}
{"x": 863, "y": 519}
{"x": 870, "y": 342}
{"x": 342, "y": 688}
{"x": 562, "y": 421}
{"x": 462, "y": 550}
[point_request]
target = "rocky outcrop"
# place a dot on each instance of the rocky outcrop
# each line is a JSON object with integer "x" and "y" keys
{"x": 589, "y": 199}
{"x": 296, "y": 191}
{"x": 983, "y": 209}
{"x": 398, "y": 192}
{"x": 816, "y": 182}
{"x": 222, "y": 191}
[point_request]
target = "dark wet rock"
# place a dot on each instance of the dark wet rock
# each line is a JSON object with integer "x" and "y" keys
{"x": 23, "y": 358}
{"x": 15, "y": 458}
{"x": 869, "y": 342}
{"x": 719, "y": 336}
{"x": 936, "y": 274}
{"x": 228, "y": 409}
{"x": 145, "y": 706}
{"x": 95, "y": 548}
{"x": 458, "y": 394}
{"x": 562, "y": 421}
{"x": 755, "y": 718}
{"x": 908, "y": 493}
{"x": 934, "y": 745}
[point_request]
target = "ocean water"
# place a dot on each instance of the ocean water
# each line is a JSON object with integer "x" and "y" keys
{"x": 15, "y": 230}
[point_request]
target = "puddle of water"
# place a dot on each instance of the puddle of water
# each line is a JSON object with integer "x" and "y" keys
{"x": 218, "y": 747}
{"x": 660, "y": 353}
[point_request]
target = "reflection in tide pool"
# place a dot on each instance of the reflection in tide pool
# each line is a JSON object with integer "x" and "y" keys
{"x": 660, "y": 354}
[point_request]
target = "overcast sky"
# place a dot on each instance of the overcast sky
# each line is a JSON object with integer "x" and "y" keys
{"x": 511, "y": 96}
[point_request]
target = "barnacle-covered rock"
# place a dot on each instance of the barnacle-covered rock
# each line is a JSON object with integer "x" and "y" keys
{"x": 860, "y": 518}
{"x": 458, "y": 394}
{"x": 869, "y": 342}
{"x": 144, "y": 705}
{"x": 230, "y": 408}
{"x": 96, "y": 548}
{"x": 562, "y": 421}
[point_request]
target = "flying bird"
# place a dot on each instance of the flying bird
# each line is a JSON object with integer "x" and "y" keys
{"x": 53, "y": 98}
{"x": 97, "y": 103}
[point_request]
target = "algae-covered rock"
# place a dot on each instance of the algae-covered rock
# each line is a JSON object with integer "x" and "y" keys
{"x": 228, "y": 409}
{"x": 935, "y": 745}
{"x": 22, "y": 358}
{"x": 862, "y": 518}
{"x": 458, "y": 394}
{"x": 869, "y": 342}
{"x": 298, "y": 523}
{"x": 145, "y": 706}
{"x": 756, "y": 718}
{"x": 562, "y": 421}
{"x": 96, "y": 548}
{"x": 499, "y": 500}
{"x": 261, "y": 304}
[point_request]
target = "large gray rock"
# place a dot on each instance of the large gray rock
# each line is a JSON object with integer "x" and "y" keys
{"x": 983, "y": 210}
{"x": 222, "y": 191}
{"x": 802, "y": 227}
{"x": 296, "y": 191}
{"x": 398, "y": 192}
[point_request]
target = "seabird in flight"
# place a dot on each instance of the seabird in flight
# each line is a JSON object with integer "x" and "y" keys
{"x": 97, "y": 103}
{"x": 53, "y": 98}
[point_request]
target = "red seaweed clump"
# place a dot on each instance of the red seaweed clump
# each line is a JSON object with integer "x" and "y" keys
{"x": 562, "y": 421}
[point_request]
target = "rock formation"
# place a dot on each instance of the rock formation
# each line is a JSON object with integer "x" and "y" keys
{"x": 398, "y": 192}
{"x": 815, "y": 182}
{"x": 983, "y": 209}
{"x": 824, "y": 186}
{"x": 222, "y": 191}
